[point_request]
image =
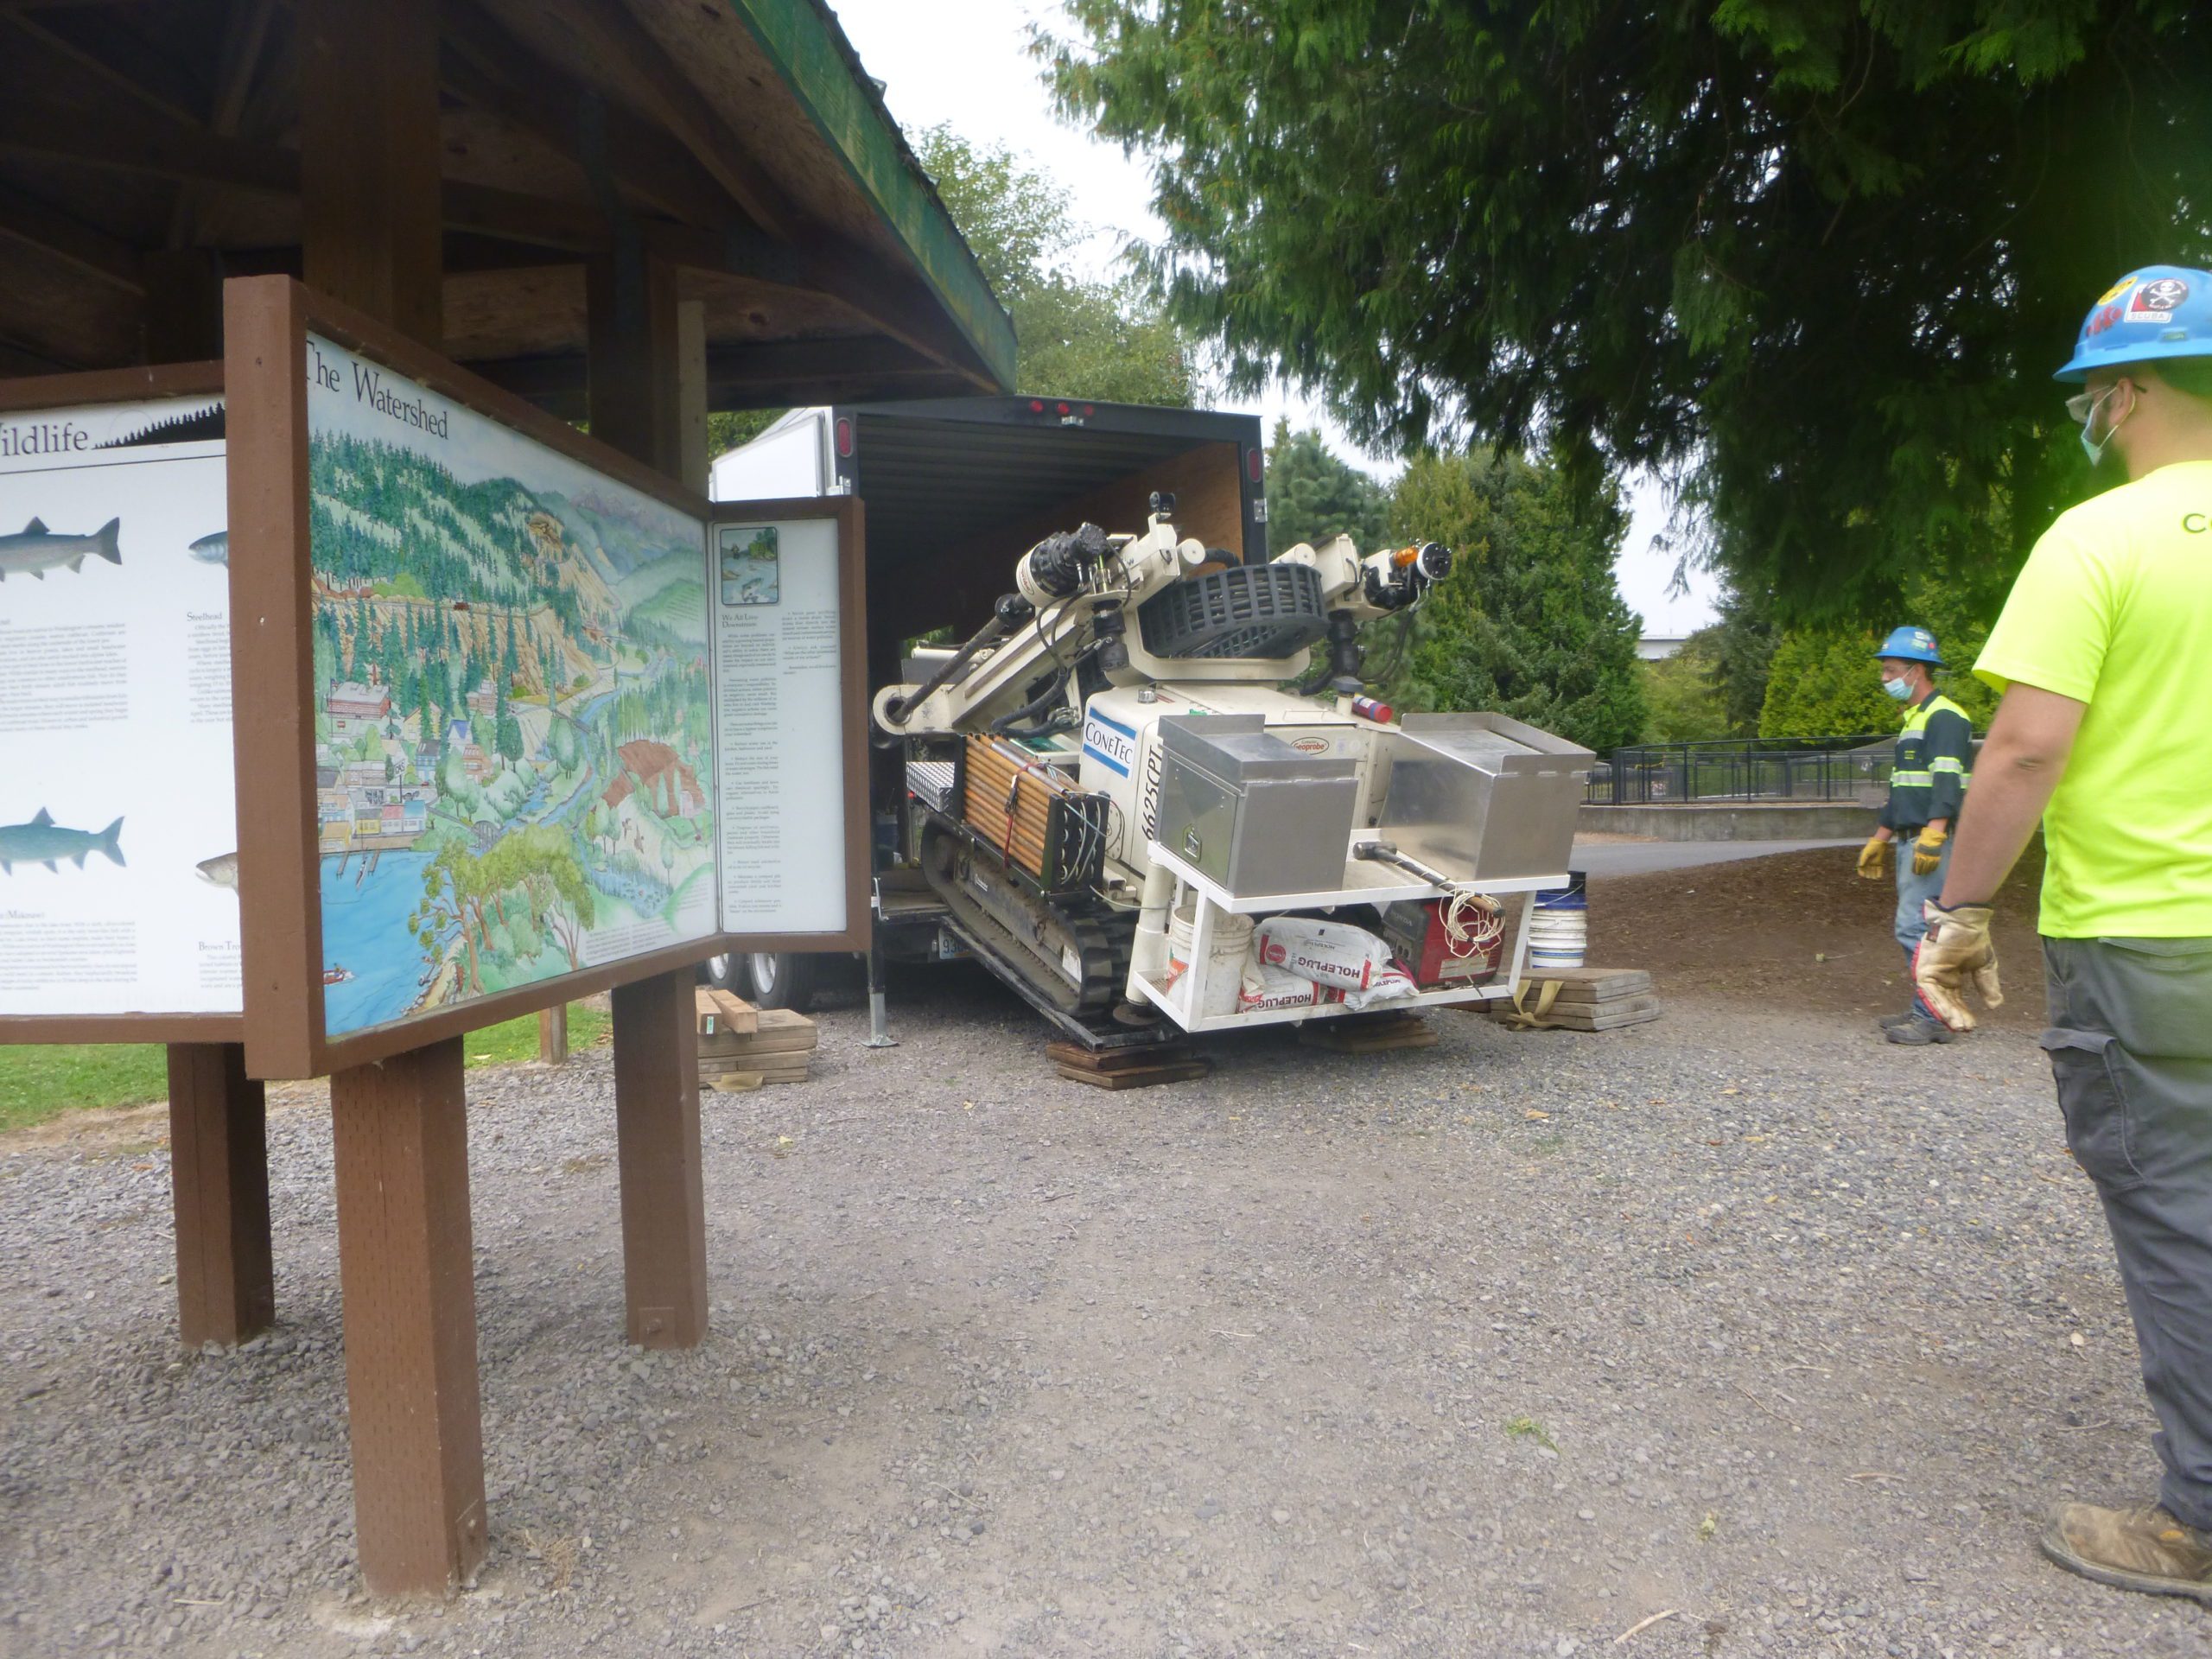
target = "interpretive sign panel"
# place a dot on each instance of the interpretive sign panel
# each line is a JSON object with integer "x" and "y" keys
{"x": 118, "y": 838}
{"x": 789, "y": 700}
{"x": 513, "y": 771}
{"x": 497, "y": 788}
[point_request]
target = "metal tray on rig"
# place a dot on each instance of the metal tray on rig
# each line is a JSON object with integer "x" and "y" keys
{"x": 1481, "y": 797}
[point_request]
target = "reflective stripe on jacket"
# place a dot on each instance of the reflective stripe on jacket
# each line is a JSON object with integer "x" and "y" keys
{"x": 1935, "y": 761}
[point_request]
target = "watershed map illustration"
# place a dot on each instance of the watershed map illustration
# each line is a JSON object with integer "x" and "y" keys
{"x": 514, "y": 743}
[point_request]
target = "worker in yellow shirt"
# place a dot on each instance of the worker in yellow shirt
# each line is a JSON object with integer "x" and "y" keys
{"x": 1927, "y": 780}
{"x": 2104, "y": 656}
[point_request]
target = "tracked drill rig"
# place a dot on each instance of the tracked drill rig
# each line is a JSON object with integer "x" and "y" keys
{"x": 1143, "y": 723}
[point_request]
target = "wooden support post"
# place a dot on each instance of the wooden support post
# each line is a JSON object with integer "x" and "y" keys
{"x": 553, "y": 1035}
{"x": 406, "y": 1269}
{"x": 636, "y": 400}
{"x": 692, "y": 393}
{"x": 219, "y": 1179}
{"x": 369, "y": 159}
{"x": 370, "y": 165}
{"x": 630, "y": 307}
{"x": 218, "y": 1145}
{"x": 184, "y": 305}
{"x": 656, "y": 1142}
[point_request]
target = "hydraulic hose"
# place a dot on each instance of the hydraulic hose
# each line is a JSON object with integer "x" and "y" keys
{"x": 1004, "y": 725}
{"x": 1010, "y": 613}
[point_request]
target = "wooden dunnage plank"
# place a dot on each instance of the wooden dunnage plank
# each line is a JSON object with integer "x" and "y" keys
{"x": 1145, "y": 1077}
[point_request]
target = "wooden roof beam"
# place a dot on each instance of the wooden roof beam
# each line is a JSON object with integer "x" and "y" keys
{"x": 871, "y": 285}
{"x": 143, "y": 140}
{"x": 492, "y": 71}
{"x": 147, "y": 76}
{"x": 683, "y": 110}
{"x": 90, "y": 252}
{"x": 733, "y": 365}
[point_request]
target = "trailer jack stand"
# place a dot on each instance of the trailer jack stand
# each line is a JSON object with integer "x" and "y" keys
{"x": 878, "y": 1034}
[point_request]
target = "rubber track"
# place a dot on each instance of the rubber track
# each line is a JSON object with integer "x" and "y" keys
{"x": 1104, "y": 941}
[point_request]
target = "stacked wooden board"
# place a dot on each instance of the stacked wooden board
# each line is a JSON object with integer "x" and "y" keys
{"x": 1580, "y": 999}
{"x": 742, "y": 1047}
{"x": 1032, "y": 813}
{"x": 1368, "y": 1033}
{"x": 1136, "y": 1067}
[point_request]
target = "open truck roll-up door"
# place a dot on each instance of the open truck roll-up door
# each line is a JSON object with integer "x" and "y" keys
{"x": 955, "y": 490}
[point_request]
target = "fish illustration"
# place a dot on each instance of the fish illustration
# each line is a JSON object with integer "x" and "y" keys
{"x": 35, "y": 550}
{"x": 222, "y": 870}
{"x": 213, "y": 549}
{"x": 43, "y": 841}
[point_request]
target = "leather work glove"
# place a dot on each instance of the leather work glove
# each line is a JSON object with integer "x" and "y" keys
{"x": 1954, "y": 950}
{"x": 1874, "y": 859}
{"x": 1928, "y": 851}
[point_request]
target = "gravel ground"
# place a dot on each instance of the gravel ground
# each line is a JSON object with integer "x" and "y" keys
{"x": 1500, "y": 1347}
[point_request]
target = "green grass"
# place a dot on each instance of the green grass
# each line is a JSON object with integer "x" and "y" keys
{"x": 39, "y": 1082}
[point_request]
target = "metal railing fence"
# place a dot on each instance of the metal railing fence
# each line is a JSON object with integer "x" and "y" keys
{"x": 1854, "y": 768}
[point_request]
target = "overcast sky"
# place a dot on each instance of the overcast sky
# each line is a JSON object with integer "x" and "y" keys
{"x": 966, "y": 63}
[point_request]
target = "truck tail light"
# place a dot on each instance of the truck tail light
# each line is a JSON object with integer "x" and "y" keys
{"x": 844, "y": 437}
{"x": 1252, "y": 464}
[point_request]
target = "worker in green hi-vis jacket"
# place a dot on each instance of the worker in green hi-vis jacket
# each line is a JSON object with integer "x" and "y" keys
{"x": 2104, "y": 656}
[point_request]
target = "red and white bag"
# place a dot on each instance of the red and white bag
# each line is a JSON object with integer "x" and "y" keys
{"x": 1328, "y": 953}
{"x": 1272, "y": 988}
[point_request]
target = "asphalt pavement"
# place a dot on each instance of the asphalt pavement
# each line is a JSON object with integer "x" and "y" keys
{"x": 1625, "y": 857}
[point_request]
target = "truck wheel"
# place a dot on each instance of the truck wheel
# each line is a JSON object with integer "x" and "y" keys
{"x": 722, "y": 972}
{"x": 780, "y": 979}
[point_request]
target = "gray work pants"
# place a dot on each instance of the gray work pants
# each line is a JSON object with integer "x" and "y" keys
{"x": 2131, "y": 1046}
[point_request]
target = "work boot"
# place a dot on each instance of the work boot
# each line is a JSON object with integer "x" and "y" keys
{"x": 2143, "y": 1549}
{"x": 1891, "y": 1021}
{"x": 1920, "y": 1031}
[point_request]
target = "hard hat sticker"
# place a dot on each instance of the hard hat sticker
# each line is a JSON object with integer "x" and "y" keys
{"x": 2156, "y": 300}
{"x": 2115, "y": 290}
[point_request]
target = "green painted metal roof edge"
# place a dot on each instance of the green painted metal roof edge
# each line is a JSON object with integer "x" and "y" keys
{"x": 823, "y": 71}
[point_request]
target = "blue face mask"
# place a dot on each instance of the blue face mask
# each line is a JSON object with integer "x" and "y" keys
{"x": 1899, "y": 691}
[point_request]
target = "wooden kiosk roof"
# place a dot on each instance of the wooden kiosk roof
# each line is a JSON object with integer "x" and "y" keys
{"x": 738, "y": 140}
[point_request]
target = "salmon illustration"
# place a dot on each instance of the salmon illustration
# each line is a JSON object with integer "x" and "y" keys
{"x": 35, "y": 550}
{"x": 212, "y": 550}
{"x": 42, "y": 841}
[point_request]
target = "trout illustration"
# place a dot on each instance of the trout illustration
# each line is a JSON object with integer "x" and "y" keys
{"x": 43, "y": 841}
{"x": 35, "y": 550}
{"x": 213, "y": 549}
{"x": 222, "y": 870}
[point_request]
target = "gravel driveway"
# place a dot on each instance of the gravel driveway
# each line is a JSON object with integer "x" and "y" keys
{"x": 1500, "y": 1347}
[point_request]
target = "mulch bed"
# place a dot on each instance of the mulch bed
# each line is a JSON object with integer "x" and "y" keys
{"x": 1797, "y": 930}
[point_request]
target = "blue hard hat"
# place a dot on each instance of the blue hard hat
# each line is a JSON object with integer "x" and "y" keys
{"x": 1913, "y": 644}
{"x": 2158, "y": 311}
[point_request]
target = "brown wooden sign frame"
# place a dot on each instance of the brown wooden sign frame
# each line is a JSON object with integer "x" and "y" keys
{"x": 852, "y": 675}
{"x": 22, "y": 396}
{"x": 266, "y": 322}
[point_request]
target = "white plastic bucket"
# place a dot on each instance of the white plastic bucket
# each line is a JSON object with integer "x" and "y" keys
{"x": 1559, "y": 929}
{"x": 1232, "y": 940}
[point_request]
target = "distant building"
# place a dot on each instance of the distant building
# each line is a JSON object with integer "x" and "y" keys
{"x": 351, "y": 706}
{"x": 1658, "y": 647}
{"x": 483, "y": 701}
